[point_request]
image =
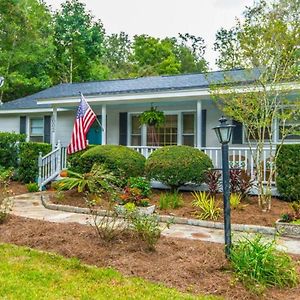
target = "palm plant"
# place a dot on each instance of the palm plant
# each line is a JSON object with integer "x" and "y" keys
{"x": 97, "y": 181}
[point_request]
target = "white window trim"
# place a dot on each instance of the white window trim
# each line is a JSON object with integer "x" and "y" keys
{"x": 167, "y": 112}
{"x": 29, "y": 127}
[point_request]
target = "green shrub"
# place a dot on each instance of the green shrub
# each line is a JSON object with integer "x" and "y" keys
{"x": 9, "y": 148}
{"x": 146, "y": 227}
{"x": 140, "y": 183}
{"x": 121, "y": 160}
{"x": 258, "y": 264}
{"x": 177, "y": 165}
{"x": 5, "y": 193}
{"x": 29, "y": 153}
{"x": 207, "y": 205}
{"x": 170, "y": 200}
{"x": 288, "y": 172}
{"x": 32, "y": 187}
{"x": 235, "y": 200}
{"x": 73, "y": 160}
{"x": 98, "y": 181}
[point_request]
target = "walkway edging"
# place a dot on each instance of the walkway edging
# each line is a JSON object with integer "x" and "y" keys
{"x": 165, "y": 219}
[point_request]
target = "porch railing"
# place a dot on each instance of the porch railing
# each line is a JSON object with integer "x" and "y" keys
{"x": 239, "y": 157}
{"x": 51, "y": 164}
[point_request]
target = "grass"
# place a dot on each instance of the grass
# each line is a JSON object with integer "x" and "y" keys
{"x": 259, "y": 265}
{"x": 30, "y": 274}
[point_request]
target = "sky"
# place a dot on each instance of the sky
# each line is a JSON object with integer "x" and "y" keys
{"x": 161, "y": 18}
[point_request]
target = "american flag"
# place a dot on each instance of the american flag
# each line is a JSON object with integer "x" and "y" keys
{"x": 85, "y": 117}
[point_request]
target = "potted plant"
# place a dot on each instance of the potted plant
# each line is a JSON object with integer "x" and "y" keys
{"x": 289, "y": 223}
{"x": 152, "y": 117}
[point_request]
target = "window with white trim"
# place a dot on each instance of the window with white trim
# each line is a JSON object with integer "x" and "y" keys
{"x": 188, "y": 129}
{"x": 36, "y": 128}
{"x": 165, "y": 135}
{"x": 168, "y": 134}
{"x": 292, "y": 128}
{"x": 135, "y": 135}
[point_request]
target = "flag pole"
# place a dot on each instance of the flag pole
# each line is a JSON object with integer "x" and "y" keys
{"x": 81, "y": 95}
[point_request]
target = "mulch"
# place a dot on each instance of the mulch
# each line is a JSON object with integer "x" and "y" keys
{"x": 248, "y": 213}
{"x": 188, "y": 265}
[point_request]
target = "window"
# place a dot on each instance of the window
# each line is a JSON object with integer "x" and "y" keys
{"x": 165, "y": 135}
{"x": 136, "y": 137}
{"x": 168, "y": 134}
{"x": 293, "y": 131}
{"x": 37, "y": 130}
{"x": 188, "y": 129}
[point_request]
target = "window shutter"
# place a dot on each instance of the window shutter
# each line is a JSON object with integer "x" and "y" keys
{"x": 123, "y": 123}
{"x": 237, "y": 133}
{"x": 23, "y": 125}
{"x": 47, "y": 129}
{"x": 203, "y": 128}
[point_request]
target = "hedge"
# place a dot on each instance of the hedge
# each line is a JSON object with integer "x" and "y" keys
{"x": 288, "y": 172}
{"x": 177, "y": 165}
{"x": 29, "y": 153}
{"x": 121, "y": 160}
{"x": 9, "y": 148}
{"x": 73, "y": 160}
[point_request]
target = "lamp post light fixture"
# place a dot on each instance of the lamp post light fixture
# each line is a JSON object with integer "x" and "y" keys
{"x": 224, "y": 133}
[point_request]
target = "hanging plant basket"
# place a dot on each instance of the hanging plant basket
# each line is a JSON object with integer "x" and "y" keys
{"x": 152, "y": 117}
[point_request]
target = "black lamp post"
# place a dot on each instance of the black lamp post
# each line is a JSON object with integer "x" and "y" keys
{"x": 224, "y": 133}
{"x": 1, "y": 83}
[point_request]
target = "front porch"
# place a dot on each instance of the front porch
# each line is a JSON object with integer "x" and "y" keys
{"x": 239, "y": 157}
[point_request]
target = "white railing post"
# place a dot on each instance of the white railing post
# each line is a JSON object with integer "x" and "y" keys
{"x": 58, "y": 166}
{"x": 40, "y": 165}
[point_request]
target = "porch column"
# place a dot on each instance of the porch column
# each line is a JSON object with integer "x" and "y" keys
{"x": 103, "y": 124}
{"x": 199, "y": 124}
{"x": 53, "y": 127}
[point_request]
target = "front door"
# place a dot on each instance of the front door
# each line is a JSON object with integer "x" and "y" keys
{"x": 94, "y": 135}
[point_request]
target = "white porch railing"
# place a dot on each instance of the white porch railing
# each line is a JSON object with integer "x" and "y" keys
{"x": 51, "y": 164}
{"x": 239, "y": 157}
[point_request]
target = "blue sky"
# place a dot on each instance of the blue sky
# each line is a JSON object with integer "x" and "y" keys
{"x": 161, "y": 18}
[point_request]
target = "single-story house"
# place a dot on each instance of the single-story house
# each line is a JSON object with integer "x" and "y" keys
{"x": 48, "y": 116}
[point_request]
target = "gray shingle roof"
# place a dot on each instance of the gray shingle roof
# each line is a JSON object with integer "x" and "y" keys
{"x": 136, "y": 85}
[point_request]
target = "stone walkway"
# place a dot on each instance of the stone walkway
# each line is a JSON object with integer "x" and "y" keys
{"x": 30, "y": 206}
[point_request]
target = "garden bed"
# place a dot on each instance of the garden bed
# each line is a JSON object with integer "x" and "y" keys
{"x": 193, "y": 266}
{"x": 249, "y": 213}
{"x": 17, "y": 188}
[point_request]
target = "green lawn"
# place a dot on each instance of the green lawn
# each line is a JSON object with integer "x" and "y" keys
{"x": 30, "y": 274}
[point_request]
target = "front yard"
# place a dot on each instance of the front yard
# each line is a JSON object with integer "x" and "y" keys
{"x": 30, "y": 274}
{"x": 189, "y": 266}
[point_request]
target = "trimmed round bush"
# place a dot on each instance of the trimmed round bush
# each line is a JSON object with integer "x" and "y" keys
{"x": 121, "y": 160}
{"x": 177, "y": 165}
{"x": 74, "y": 159}
{"x": 288, "y": 172}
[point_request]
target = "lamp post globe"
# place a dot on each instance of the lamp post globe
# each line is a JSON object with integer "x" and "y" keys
{"x": 224, "y": 133}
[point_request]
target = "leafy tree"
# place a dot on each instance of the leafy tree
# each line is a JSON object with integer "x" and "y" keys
{"x": 79, "y": 43}
{"x": 190, "y": 51}
{"x": 118, "y": 55}
{"x": 268, "y": 43}
{"x": 153, "y": 56}
{"x": 26, "y": 48}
